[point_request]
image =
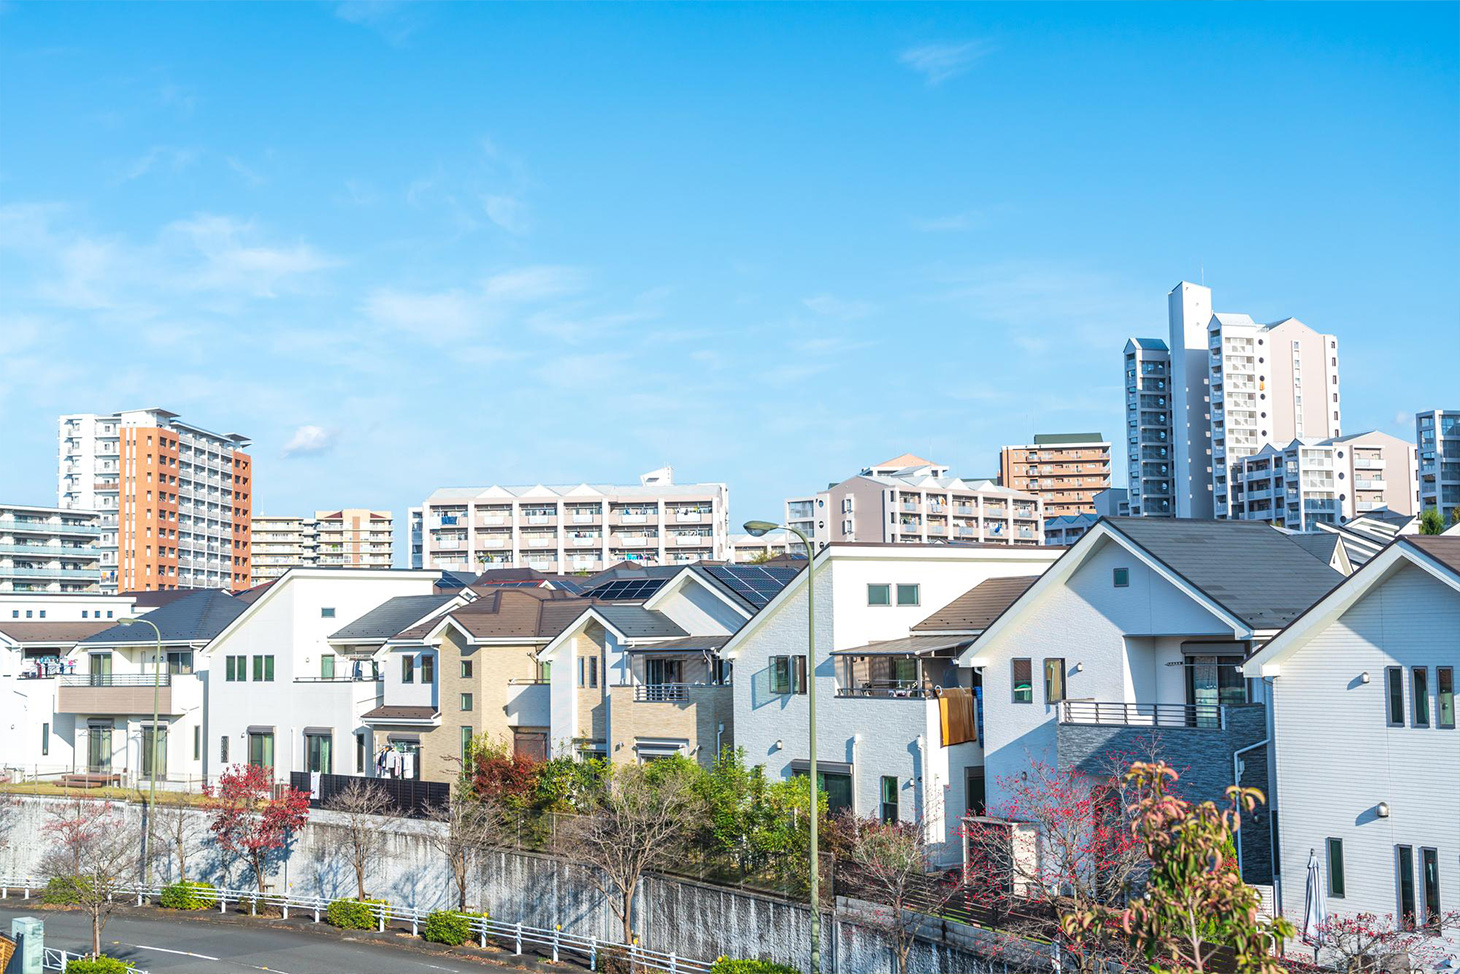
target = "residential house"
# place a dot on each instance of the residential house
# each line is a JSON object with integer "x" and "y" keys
{"x": 1367, "y": 751}
{"x": 35, "y": 739}
{"x": 1132, "y": 644}
{"x": 882, "y": 749}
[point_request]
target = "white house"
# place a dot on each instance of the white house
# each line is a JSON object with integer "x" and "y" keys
{"x": 34, "y": 739}
{"x": 880, "y": 749}
{"x": 277, "y": 694}
{"x": 1135, "y": 639}
{"x": 1367, "y": 748}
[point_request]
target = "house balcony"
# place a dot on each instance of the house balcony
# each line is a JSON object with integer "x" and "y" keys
{"x": 1117, "y": 713}
{"x": 120, "y": 693}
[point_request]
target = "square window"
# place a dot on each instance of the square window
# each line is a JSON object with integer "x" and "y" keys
{"x": 1121, "y": 577}
{"x": 908, "y": 594}
{"x": 879, "y": 594}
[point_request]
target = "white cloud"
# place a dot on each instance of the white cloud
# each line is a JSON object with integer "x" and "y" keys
{"x": 533, "y": 283}
{"x": 248, "y": 174}
{"x": 939, "y": 62}
{"x": 833, "y": 307}
{"x": 309, "y": 440}
{"x": 170, "y": 157}
{"x": 507, "y": 212}
{"x": 231, "y": 262}
{"x": 441, "y": 316}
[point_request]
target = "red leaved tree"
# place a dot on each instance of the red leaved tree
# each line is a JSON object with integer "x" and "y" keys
{"x": 252, "y": 819}
{"x": 95, "y": 849}
{"x": 495, "y": 773}
{"x": 1379, "y": 944}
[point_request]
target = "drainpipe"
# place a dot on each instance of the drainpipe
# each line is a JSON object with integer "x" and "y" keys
{"x": 719, "y": 735}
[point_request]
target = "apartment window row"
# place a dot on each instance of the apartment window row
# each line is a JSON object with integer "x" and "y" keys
{"x": 881, "y": 593}
{"x": 235, "y": 668}
{"x": 1022, "y": 680}
{"x": 1419, "y": 698}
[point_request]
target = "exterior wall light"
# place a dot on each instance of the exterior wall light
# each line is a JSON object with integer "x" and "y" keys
{"x": 1364, "y": 677}
{"x": 1383, "y": 809}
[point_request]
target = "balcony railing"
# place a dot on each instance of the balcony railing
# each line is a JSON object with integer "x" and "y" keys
{"x": 670, "y": 692}
{"x": 1203, "y": 715}
{"x": 886, "y": 692}
{"x": 116, "y": 679}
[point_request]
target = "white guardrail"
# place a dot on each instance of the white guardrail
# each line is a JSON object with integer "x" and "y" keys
{"x": 515, "y": 936}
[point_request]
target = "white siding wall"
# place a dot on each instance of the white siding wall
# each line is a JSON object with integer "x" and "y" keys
{"x": 1337, "y": 758}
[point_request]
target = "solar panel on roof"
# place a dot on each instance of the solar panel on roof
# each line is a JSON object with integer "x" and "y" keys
{"x": 626, "y": 589}
{"x": 757, "y": 584}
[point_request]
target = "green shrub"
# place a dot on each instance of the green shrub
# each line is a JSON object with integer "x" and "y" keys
{"x": 188, "y": 896}
{"x": 726, "y": 965}
{"x": 352, "y": 914}
{"x": 66, "y": 890}
{"x": 449, "y": 927}
{"x": 102, "y": 965}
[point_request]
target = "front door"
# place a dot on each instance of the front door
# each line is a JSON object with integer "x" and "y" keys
{"x": 99, "y": 749}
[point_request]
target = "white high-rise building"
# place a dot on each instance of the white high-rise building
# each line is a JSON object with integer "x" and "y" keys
{"x": 47, "y": 549}
{"x": 1236, "y": 386}
{"x": 1310, "y": 482}
{"x": 560, "y": 529}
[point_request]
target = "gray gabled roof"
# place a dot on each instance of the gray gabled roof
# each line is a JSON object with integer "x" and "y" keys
{"x": 637, "y": 622}
{"x": 196, "y": 617}
{"x": 1249, "y": 568}
{"x": 1320, "y": 545}
{"x": 390, "y": 617}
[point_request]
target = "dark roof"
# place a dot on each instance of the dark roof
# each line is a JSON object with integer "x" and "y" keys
{"x": 1319, "y": 544}
{"x": 755, "y": 585}
{"x": 161, "y": 597}
{"x": 196, "y": 617}
{"x": 1154, "y": 343}
{"x": 979, "y": 606}
{"x": 1056, "y": 439}
{"x": 1444, "y": 549}
{"x": 1386, "y": 516}
{"x": 399, "y": 713}
{"x": 637, "y": 622}
{"x": 251, "y": 595}
{"x": 687, "y": 643}
{"x": 452, "y": 581}
{"x": 391, "y": 616}
{"x": 52, "y": 632}
{"x": 1249, "y": 568}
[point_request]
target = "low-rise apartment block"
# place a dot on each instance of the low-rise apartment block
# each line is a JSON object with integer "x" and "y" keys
{"x": 1067, "y": 470}
{"x": 773, "y": 544}
{"x": 1312, "y": 482}
{"x": 174, "y": 499}
{"x": 1437, "y": 434}
{"x": 909, "y": 499}
{"x": 49, "y": 549}
{"x": 564, "y": 529}
{"x": 348, "y": 538}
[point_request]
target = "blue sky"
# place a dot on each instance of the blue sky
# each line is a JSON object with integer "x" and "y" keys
{"x": 411, "y": 246}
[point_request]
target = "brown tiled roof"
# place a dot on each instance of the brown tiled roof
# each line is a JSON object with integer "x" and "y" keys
{"x": 52, "y": 632}
{"x": 1442, "y": 548}
{"x": 399, "y": 713}
{"x": 531, "y": 613}
{"x": 906, "y": 460}
{"x": 975, "y": 609}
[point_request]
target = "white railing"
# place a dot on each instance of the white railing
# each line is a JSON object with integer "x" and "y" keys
{"x": 516, "y": 936}
{"x": 56, "y": 960}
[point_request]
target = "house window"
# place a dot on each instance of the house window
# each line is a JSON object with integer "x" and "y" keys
{"x": 889, "y": 799}
{"x": 1429, "y": 872}
{"x": 788, "y": 674}
{"x": 261, "y": 749}
{"x": 1335, "y": 868}
{"x": 1421, "y": 701}
{"x": 1394, "y": 677}
{"x": 428, "y": 668}
{"x": 408, "y": 669}
{"x": 1023, "y": 675}
{"x": 45, "y": 739}
{"x": 1054, "y": 680}
{"x": 197, "y": 743}
{"x": 466, "y": 669}
{"x": 466, "y": 701}
{"x": 154, "y": 747}
{"x": 908, "y": 595}
{"x": 223, "y": 749}
{"x": 835, "y": 785}
{"x": 180, "y": 663}
{"x": 235, "y": 669}
{"x": 327, "y": 666}
{"x": 879, "y": 594}
{"x": 1406, "y": 886}
{"x": 327, "y": 612}
{"x": 1121, "y": 577}
{"x": 466, "y": 736}
{"x": 263, "y": 671}
{"x": 588, "y": 671}
{"x": 319, "y": 752}
{"x": 1445, "y": 697}
{"x": 360, "y": 751}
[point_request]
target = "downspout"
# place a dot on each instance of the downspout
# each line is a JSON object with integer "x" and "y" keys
{"x": 719, "y": 736}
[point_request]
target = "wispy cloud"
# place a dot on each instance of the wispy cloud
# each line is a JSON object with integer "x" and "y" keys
{"x": 939, "y": 62}
{"x": 507, "y": 212}
{"x": 309, "y": 440}
{"x": 441, "y": 317}
{"x": 161, "y": 157}
{"x": 391, "y": 20}
{"x": 834, "y": 307}
{"x": 247, "y": 173}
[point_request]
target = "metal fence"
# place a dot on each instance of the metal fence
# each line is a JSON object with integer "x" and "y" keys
{"x": 56, "y": 960}
{"x": 411, "y": 798}
{"x": 516, "y": 937}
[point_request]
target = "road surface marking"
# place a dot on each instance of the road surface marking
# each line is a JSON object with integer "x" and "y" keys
{"x": 185, "y": 953}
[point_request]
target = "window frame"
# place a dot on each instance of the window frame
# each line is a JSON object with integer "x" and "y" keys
{"x": 1444, "y": 678}
{"x": 467, "y": 735}
{"x": 888, "y": 808}
{"x": 1061, "y": 680}
{"x": 886, "y": 587}
{"x": 1419, "y": 692}
{"x": 326, "y": 612}
{"x": 1394, "y": 696}
{"x": 1120, "y": 577}
{"x": 428, "y": 669}
{"x": 917, "y": 594}
{"x": 1014, "y": 692}
{"x": 1404, "y": 883}
{"x": 408, "y": 668}
{"x": 1337, "y": 879}
{"x": 466, "y": 669}
{"x": 45, "y": 738}
{"x": 466, "y": 702}
{"x": 263, "y": 668}
{"x": 1429, "y": 865}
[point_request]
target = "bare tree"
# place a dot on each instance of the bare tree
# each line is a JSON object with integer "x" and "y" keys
{"x": 97, "y": 849}
{"x": 640, "y": 820}
{"x": 464, "y": 827}
{"x": 181, "y": 827}
{"x": 891, "y": 864}
{"x": 362, "y": 804}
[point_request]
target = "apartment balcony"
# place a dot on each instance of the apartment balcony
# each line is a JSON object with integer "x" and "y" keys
{"x": 50, "y": 551}
{"x": 585, "y": 517}
{"x": 1360, "y": 483}
{"x": 912, "y": 506}
{"x": 620, "y": 517}
{"x": 678, "y": 693}
{"x": 503, "y": 540}
{"x": 634, "y": 541}
{"x": 695, "y": 539}
{"x": 965, "y": 509}
{"x": 1365, "y": 463}
{"x": 587, "y": 541}
{"x": 1173, "y": 715}
{"x": 48, "y": 572}
{"x": 493, "y": 520}
{"x": 26, "y": 525}
{"x": 122, "y": 693}
{"x": 541, "y": 518}
{"x": 691, "y": 517}
{"x": 938, "y": 529}
{"x": 996, "y": 512}
{"x": 1361, "y": 507}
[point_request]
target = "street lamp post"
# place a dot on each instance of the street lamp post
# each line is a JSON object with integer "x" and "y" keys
{"x": 758, "y": 529}
{"x": 152, "y": 763}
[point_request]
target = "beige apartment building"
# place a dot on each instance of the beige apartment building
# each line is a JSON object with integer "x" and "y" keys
{"x": 1067, "y": 470}
{"x": 913, "y": 500}
{"x": 353, "y": 537}
{"x": 1310, "y": 481}
{"x": 566, "y": 529}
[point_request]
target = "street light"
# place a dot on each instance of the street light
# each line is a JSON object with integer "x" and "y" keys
{"x": 758, "y": 529}
{"x": 152, "y": 789}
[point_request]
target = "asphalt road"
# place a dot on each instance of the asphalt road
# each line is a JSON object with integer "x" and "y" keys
{"x": 204, "y": 947}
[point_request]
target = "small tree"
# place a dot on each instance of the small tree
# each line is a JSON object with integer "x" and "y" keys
{"x": 891, "y": 863}
{"x": 1431, "y": 521}
{"x": 1194, "y": 900}
{"x": 464, "y": 827}
{"x": 640, "y": 820}
{"x": 96, "y": 849}
{"x": 181, "y": 829}
{"x": 362, "y": 804}
{"x": 251, "y": 820}
{"x": 1378, "y": 944}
